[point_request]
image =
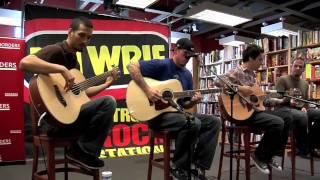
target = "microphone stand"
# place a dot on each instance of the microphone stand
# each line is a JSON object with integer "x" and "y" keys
{"x": 232, "y": 91}
{"x": 190, "y": 118}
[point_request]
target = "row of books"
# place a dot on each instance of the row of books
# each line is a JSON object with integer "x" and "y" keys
{"x": 312, "y": 71}
{"x": 305, "y": 38}
{"x": 277, "y": 59}
{"x": 314, "y": 91}
{"x": 208, "y": 108}
{"x": 228, "y": 53}
{"x": 309, "y": 54}
{"x": 206, "y": 83}
{"x": 273, "y": 44}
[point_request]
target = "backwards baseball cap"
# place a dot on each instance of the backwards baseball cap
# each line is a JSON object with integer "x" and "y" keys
{"x": 186, "y": 44}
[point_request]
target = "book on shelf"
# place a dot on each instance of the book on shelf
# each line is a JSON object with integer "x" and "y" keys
{"x": 305, "y": 38}
{"x": 273, "y": 44}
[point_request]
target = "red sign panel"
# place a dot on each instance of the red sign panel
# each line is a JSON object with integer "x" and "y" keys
{"x": 11, "y": 101}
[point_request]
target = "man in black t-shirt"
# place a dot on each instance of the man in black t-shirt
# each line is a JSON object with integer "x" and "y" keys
{"x": 96, "y": 117}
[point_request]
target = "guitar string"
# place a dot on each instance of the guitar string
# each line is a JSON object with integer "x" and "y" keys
{"x": 89, "y": 82}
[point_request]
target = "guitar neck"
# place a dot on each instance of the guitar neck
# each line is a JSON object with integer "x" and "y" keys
{"x": 93, "y": 81}
{"x": 190, "y": 93}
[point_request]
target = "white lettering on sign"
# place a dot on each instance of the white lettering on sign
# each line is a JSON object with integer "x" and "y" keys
{"x": 5, "y": 142}
{"x": 5, "y": 45}
{"x": 8, "y": 66}
{"x": 10, "y": 94}
{"x": 15, "y": 131}
{"x": 4, "y": 107}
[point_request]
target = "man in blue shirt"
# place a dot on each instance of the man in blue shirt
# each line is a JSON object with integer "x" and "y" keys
{"x": 202, "y": 133}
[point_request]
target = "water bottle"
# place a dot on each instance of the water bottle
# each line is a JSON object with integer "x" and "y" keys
{"x": 106, "y": 175}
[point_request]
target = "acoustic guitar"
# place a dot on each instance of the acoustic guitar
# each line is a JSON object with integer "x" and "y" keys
{"x": 48, "y": 95}
{"x": 243, "y": 105}
{"x": 142, "y": 109}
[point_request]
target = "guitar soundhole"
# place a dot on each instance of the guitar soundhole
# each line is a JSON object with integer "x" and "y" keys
{"x": 59, "y": 96}
{"x": 167, "y": 95}
{"x": 254, "y": 99}
{"x": 76, "y": 89}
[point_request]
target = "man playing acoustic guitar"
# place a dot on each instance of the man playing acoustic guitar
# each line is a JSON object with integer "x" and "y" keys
{"x": 299, "y": 110}
{"x": 272, "y": 125}
{"x": 204, "y": 128}
{"x": 96, "y": 117}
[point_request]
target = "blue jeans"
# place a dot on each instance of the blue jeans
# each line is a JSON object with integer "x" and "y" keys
{"x": 196, "y": 141}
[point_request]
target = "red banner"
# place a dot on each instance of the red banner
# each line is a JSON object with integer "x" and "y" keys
{"x": 114, "y": 43}
{"x": 11, "y": 101}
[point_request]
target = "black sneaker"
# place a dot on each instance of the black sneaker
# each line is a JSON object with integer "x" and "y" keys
{"x": 179, "y": 174}
{"x": 76, "y": 155}
{"x": 198, "y": 175}
{"x": 262, "y": 166}
{"x": 275, "y": 165}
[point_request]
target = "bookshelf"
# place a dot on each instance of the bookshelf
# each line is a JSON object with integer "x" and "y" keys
{"x": 279, "y": 53}
{"x": 219, "y": 61}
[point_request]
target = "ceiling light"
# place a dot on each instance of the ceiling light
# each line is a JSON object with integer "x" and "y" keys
{"x": 219, "y": 14}
{"x": 136, "y": 3}
{"x": 234, "y": 40}
{"x": 280, "y": 29}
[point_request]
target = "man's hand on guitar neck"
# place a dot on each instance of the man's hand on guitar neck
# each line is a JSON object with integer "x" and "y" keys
{"x": 153, "y": 94}
{"x": 69, "y": 78}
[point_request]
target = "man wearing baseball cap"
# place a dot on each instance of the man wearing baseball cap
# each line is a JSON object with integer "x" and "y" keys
{"x": 202, "y": 132}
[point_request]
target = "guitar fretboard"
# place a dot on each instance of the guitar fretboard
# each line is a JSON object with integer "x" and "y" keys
{"x": 93, "y": 81}
{"x": 190, "y": 93}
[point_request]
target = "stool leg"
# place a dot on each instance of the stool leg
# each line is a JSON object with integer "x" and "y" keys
{"x": 35, "y": 160}
{"x": 65, "y": 164}
{"x": 270, "y": 175}
{"x": 151, "y": 155}
{"x": 223, "y": 137}
{"x": 166, "y": 155}
{"x": 293, "y": 157}
{"x": 311, "y": 162}
{"x": 96, "y": 175}
{"x": 247, "y": 154}
{"x": 238, "y": 158}
{"x": 51, "y": 162}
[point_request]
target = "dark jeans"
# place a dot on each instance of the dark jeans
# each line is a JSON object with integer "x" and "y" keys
{"x": 287, "y": 117}
{"x": 314, "y": 127}
{"x": 195, "y": 142}
{"x": 271, "y": 142}
{"x": 93, "y": 124}
{"x": 299, "y": 125}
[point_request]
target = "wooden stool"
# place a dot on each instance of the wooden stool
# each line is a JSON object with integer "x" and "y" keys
{"x": 291, "y": 145}
{"x": 246, "y": 132}
{"x": 49, "y": 144}
{"x": 164, "y": 162}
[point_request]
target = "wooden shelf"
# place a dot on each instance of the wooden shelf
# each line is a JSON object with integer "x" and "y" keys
{"x": 307, "y": 46}
{"x": 214, "y": 63}
{"x": 282, "y": 66}
{"x": 205, "y": 77}
{"x": 277, "y": 51}
{"x": 316, "y": 81}
{"x": 314, "y": 62}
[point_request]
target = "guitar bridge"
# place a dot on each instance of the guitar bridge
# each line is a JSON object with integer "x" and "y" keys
{"x": 59, "y": 96}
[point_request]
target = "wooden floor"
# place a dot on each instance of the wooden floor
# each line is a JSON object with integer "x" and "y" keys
{"x": 135, "y": 168}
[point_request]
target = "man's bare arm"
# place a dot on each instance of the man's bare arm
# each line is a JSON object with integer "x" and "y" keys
{"x": 33, "y": 64}
{"x": 134, "y": 70}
